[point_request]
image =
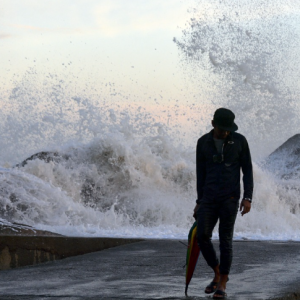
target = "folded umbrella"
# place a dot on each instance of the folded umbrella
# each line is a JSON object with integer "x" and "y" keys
{"x": 192, "y": 255}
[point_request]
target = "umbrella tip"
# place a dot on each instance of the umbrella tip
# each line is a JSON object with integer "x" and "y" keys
{"x": 186, "y": 288}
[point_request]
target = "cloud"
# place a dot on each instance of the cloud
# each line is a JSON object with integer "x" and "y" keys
{"x": 5, "y": 36}
{"x": 35, "y": 17}
{"x": 119, "y": 17}
{"x": 93, "y": 17}
{"x": 61, "y": 30}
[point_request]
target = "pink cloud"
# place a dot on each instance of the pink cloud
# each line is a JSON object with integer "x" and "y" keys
{"x": 44, "y": 29}
{"x": 5, "y": 36}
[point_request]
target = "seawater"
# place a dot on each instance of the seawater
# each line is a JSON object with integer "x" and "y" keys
{"x": 128, "y": 169}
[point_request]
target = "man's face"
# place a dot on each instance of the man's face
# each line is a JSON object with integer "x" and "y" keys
{"x": 220, "y": 133}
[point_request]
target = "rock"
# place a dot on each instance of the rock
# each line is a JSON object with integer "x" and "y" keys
{"x": 290, "y": 147}
{"x": 89, "y": 191}
{"x": 16, "y": 229}
{"x": 284, "y": 162}
{"x": 45, "y": 156}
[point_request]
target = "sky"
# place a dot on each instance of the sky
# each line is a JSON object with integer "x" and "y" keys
{"x": 90, "y": 43}
{"x": 123, "y": 51}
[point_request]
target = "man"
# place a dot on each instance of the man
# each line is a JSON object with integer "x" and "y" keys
{"x": 221, "y": 155}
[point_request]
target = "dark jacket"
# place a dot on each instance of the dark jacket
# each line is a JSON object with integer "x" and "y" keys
{"x": 220, "y": 180}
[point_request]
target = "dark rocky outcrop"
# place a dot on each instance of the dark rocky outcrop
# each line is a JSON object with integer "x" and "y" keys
{"x": 45, "y": 156}
{"x": 292, "y": 146}
{"x": 284, "y": 164}
{"x": 16, "y": 229}
{"x": 89, "y": 190}
{"x": 285, "y": 160}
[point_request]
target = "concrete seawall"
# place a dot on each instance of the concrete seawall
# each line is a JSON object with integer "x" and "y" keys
{"x": 148, "y": 269}
{"x": 18, "y": 251}
{"x": 153, "y": 269}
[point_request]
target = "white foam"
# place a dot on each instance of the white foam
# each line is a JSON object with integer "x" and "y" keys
{"x": 128, "y": 169}
{"x": 142, "y": 187}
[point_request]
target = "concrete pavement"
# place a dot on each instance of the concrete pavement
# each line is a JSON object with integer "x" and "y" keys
{"x": 153, "y": 269}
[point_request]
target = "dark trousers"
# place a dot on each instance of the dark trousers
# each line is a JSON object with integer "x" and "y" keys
{"x": 207, "y": 216}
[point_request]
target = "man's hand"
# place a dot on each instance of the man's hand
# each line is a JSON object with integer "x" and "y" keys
{"x": 245, "y": 206}
{"x": 195, "y": 211}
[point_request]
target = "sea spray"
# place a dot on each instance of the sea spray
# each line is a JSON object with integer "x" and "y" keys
{"x": 47, "y": 116}
{"x": 123, "y": 184}
{"x": 127, "y": 179}
{"x": 243, "y": 56}
{"x": 127, "y": 167}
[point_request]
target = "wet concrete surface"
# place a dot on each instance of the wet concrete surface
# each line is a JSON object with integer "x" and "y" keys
{"x": 153, "y": 269}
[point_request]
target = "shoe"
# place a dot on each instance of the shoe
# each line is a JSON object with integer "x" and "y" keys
{"x": 220, "y": 293}
{"x": 212, "y": 287}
